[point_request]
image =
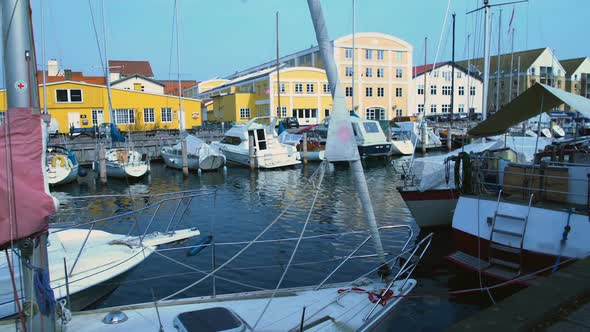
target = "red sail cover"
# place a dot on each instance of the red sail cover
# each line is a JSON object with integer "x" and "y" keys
{"x": 24, "y": 202}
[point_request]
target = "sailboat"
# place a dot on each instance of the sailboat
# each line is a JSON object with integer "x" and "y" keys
{"x": 44, "y": 262}
{"x": 61, "y": 165}
{"x": 362, "y": 305}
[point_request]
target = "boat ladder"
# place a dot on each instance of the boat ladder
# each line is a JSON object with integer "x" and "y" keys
{"x": 507, "y": 258}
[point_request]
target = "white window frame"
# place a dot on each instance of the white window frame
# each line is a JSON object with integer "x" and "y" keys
{"x": 166, "y": 114}
{"x": 348, "y": 72}
{"x": 370, "y": 114}
{"x": 298, "y": 87}
{"x": 459, "y": 74}
{"x": 380, "y": 92}
{"x": 461, "y": 108}
{"x": 369, "y": 91}
{"x": 310, "y": 88}
{"x": 399, "y": 56}
{"x": 420, "y": 89}
{"x": 94, "y": 116}
{"x": 69, "y": 95}
{"x": 399, "y": 112}
{"x": 125, "y": 114}
{"x": 446, "y": 90}
{"x": 433, "y": 90}
{"x": 369, "y": 72}
{"x": 399, "y": 73}
{"x": 420, "y": 108}
{"x": 149, "y": 115}
{"x": 284, "y": 111}
{"x": 326, "y": 88}
{"x": 380, "y": 54}
{"x": 433, "y": 109}
{"x": 348, "y": 53}
{"x": 445, "y": 108}
{"x": 282, "y": 88}
{"x": 368, "y": 54}
{"x": 399, "y": 92}
{"x": 472, "y": 90}
{"x": 244, "y": 113}
{"x": 461, "y": 91}
{"x": 380, "y": 72}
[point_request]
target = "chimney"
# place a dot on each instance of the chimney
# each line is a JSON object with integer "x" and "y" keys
{"x": 52, "y": 67}
{"x": 68, "y": 74}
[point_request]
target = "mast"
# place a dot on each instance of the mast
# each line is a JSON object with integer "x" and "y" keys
{"x": 468, "y": 92}
{"x": 341, "y": 145}
{"x": 486, "y": 59}
{"x": 511, "y": 64}
{"x": 43, "y": 58}
{"x": 452, "y": 76}
{"x": 425, "y": 72}
{"x": 22, "y": 95}
{"x": 498, "y": 60}
{"x": 279, "y": 110}
{"x": 353, "y": 52}
{"x": 107, "y": 68}
{"x": 180, "y": 110}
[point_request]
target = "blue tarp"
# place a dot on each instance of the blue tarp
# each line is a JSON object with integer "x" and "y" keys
{"x": 116, "y": 135}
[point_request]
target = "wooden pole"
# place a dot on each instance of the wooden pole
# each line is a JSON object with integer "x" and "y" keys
{"x": 252, "y": 154}
{"x": 304, "y": 148}
{"x": 184, "y": 158}
{"x": 102, "y": 163}
{"x": 449, "y": 138}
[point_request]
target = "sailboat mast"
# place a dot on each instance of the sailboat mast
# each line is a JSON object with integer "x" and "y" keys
{"x": 486, "y": 59}
{"x": 452, "y": 76}
{"x": 498, "y": 60}
{"x": 22, "y": 95}
{"x": 511, "y": 64}
{"x": 340, "y": 125}
{"x": 43, "y": 58}
{"x": 353, "y": 51}
{"x": 106, "y": 66}
{"x": 180, "y": 110}
{"x": 279, "y": 110}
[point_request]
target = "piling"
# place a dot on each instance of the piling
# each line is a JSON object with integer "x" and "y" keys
{"x": 304, "y": 148}
{"x": 102, "y": 163}
{"x": 252, "y": 154}
{"x": 424, "y": 131}
{"x": 449, "y": 138}
{"x": 389, "y": 133}
{"x": 184, "y": 158}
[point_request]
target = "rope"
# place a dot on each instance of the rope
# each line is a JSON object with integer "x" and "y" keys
{"x": 15, "y": 292}
{"x": 42, "y": 287}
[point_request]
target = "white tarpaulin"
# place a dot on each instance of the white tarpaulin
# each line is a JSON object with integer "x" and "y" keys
{"x": 289, "y": 139}
{"x": 196, "y": 147}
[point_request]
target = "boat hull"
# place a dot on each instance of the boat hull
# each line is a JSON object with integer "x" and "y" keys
{"x": 62, "y": 176}
{"x": 313, "y": 155}
{"x": 175, "y": 162}
{"x": 375, "y": 150}
{"x": 265, "y": 161}
{"x": 431, "y": 207}
{"x": 403, "y": 147}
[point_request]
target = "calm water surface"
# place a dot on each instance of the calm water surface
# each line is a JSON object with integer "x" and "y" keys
{"x": 236, "y": 205}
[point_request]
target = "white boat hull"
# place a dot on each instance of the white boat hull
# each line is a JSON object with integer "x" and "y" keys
{"x": 403, "y": 147}
{"x": 133, "y": 170}
{"x": 313, "y": 155}
{"x": 175, "y": 162}
{"x": 62, "y": 175}
{"x": 263, "y": 160}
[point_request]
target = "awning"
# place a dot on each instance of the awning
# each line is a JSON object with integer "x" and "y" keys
{"x": 538, "y": 98}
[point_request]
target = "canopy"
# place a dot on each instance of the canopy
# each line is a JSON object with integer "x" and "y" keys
{"x": 535, "y": 100}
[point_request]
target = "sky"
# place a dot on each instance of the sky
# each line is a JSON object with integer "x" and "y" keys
{"x": 219, "y": 37}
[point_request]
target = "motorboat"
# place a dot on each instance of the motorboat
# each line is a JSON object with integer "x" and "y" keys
{"x": 370, "y": 139}
{"x": 268, "y": 151}
{"x": 199, "y": 155}
{"x": 61, "y": 165}
{"x": 415, "y": 131}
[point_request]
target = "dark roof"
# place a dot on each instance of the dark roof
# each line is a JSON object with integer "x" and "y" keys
{"x": 137, "y": 76}
{"x": 570, "y": 65}
{"x": 419, "y": 70}
{"x": 171, "y": 86}
{"x": 128, "y": 68}
{"x": 526, "y": 60}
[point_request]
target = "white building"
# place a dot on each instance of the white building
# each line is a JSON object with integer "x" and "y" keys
{"x": 139, "y": 83}
{"x": 434, "y": 98}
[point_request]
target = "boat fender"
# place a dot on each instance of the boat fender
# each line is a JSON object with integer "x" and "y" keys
{"x": 204, "y": 243}
{"x": 62, "y": 161}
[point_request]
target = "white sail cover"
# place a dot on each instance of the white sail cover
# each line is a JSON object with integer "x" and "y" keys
{"x": 289, "y": 139}
{"x": 196, "y": 147}
{"x": 431, "y": 170}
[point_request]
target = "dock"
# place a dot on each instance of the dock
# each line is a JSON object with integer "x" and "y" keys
{"x": 560, "y": 302}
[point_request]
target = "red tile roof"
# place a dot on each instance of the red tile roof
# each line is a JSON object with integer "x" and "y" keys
{"x": 171, "y": 86}
{"x": 77, "y": 76}
{"x": 129, "y": 68}
{"x": 419, "y": 70}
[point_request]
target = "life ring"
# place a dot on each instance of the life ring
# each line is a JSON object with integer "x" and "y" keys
{"x": 195, "y": 115}
{"x": 59, "y": 157}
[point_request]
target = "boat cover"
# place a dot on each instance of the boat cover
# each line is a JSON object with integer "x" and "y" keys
{"x": 535, "y": 100}
{"x": 289, "y": 139}
{"x": 197, "y": 147}
{"x": 25, "y": 202}
{"x": 431, "y": 170}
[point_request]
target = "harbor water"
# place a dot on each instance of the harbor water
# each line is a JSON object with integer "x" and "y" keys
{"x": 236, "y": 205}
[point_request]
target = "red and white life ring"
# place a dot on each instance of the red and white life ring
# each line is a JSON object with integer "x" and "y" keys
{"x": 195, "y": 115}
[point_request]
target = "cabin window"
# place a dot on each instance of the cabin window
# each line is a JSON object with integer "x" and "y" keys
{"x": 124, "y": 116}
{"x": 244, "y": 113}
{"x": 166, "y": 114}
{"x": 148, "y": 115}
{"x": 371, "y": 127}
{"x": 231, "y": 140}
{"x": 68, "y": 95}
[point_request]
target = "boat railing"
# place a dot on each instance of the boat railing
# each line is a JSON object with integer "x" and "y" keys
{"x": 180, "y": 200}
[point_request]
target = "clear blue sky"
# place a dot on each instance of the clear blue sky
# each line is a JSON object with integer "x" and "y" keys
{"x": 222, "y": 36}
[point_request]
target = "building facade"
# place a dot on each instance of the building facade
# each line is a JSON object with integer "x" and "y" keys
{"x": 137, "y": 82}
{"x": 577, "y": 74}
{"x": 379, "y": 83}
{"x": 434, "y": 98}
{"x": 84, "y": 105}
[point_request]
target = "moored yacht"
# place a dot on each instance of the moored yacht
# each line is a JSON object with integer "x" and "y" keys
{"x": 199, "y": 155}
{"x": 61, "y": 165}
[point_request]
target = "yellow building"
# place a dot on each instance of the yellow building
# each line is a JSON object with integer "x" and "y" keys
{"x": 84, "y": 105}
{"x": 382, "y": 82}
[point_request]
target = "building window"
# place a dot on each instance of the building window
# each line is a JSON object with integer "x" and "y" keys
{"x": 370, "y": 114}
{"x": 420, "y": 89}
{"x": 533, "y": 71}
{"x": 369, "y": 92}
{"x": 433, "y": 108}
{"x": 327, "y": 88}
{"x": 420, "y": 108}
{"x": 307, "y": 113}
{"x": 348, "y": 53}
{"x": 282, "y": 88}
{"x": 124, "y": 116}
{"x": 447, "y": 75}
{"x": 398, "y": 92}
{"x": 348, "y": 91}
{"x": 461, "y": 108}
{"x": 380, "y": 72}
{"x": 435, "y": 73}
{"x": 282, "y": 114}
{"x": 380, "y": 54}
{"x": 166, "y": 113}
{"x": 348, "y": 72}
{"x": 326, "y": 113}
{"x": 399, "y": 112}
{"x": 576, "y": 77}
{"x": 559, "y": 84}
{"x": 369, "y": 72}
{"x": 399, "y": 56}
{"x": 446, "y": 108}
{"x": 380, "y": 92}
{"x": 298, "y": 88}
{"x": 472, "y": 91}
{"x": 309, "y": 87}
{"x": 148, "y": 115}
{"x": 244, "y": 113}
{"x": 68, "y": 95}
{"x": 399, "y": 73}
{"x": 446, "y": 90}
{"x": 433, "y": 90}
{"x": 368, "y": 54}
{"x": 97, "y": 117}
{"x": 461, "y": 91}
{"x": 459, "y": 74}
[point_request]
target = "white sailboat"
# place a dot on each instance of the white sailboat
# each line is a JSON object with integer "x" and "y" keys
{"x": 61, "y": 165}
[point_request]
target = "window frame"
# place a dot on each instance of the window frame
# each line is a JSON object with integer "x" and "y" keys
{"x": 69, "y": 96}
{"x": 310, "y": 88}
{"x": 399, "y": 92}
{"x": 368, "y": 54}
{"x": 147, "y": 115}
{"x": 298, "y": 87}
{"x": 420, "y": 89}
{"x": 129, "y": 116}
{"x": 163, "y": 112}
{"x": 94, "y": 116}
{"x": 369, "y": 72}
{"x": 369, "y": 91}
{"x": 347, "y": 89}
{"x": 380, "y": 91}
{"x": 381, "y": 72}
{"x": 245, "y": 111}
{"x": 380, "y": 54}
{"x": 433, "y": 90}
{"x": 399, "y": 73}
{"x": 348, "y": 53}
